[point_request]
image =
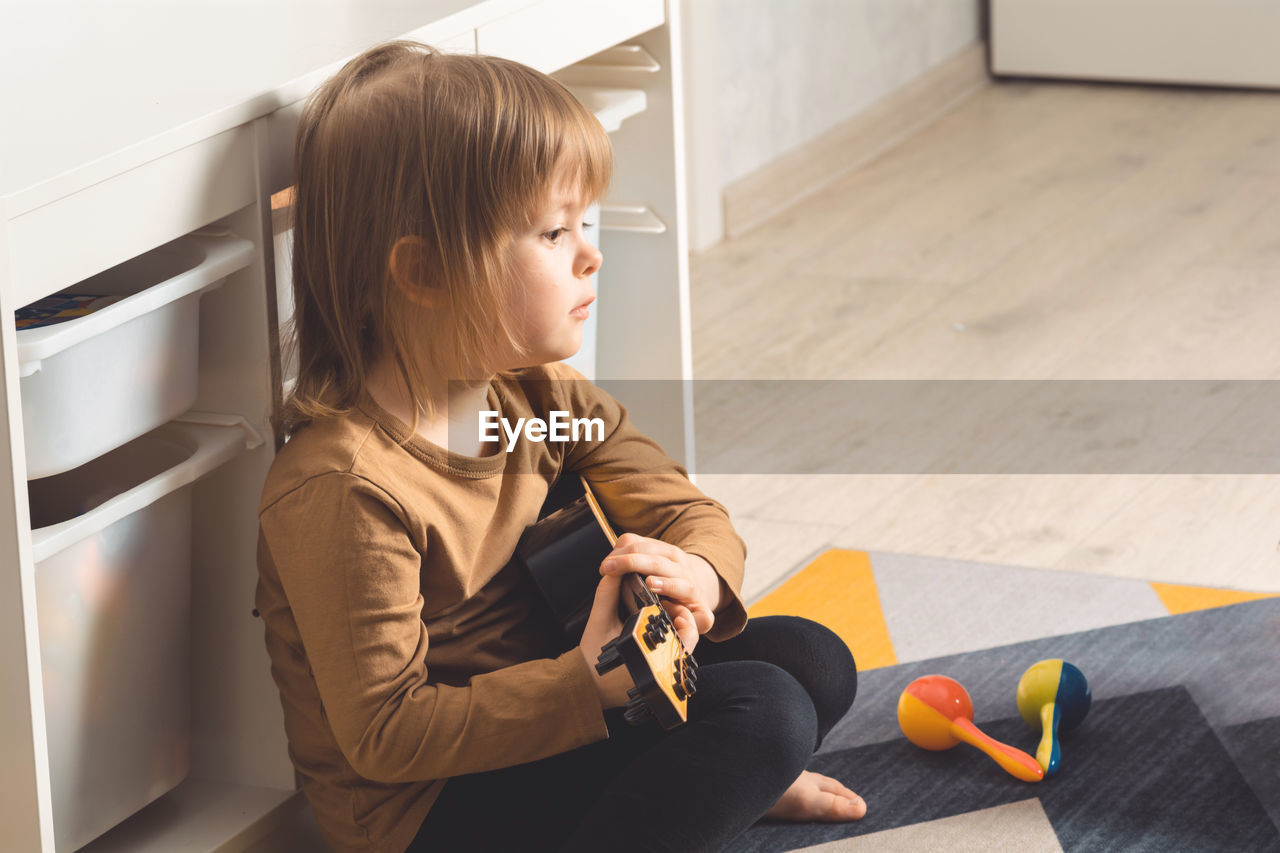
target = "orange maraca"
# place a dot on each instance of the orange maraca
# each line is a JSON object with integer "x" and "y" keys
{"x": 935, "y": 712}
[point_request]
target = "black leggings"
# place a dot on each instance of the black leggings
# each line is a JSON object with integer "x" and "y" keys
{"x": 765, "y": 700}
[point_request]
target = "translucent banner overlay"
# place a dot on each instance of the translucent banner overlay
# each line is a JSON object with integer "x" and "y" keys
{"x": 979, "y": 426}
{"x": 759, "y": 426}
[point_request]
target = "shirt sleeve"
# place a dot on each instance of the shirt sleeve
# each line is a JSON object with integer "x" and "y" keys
{"x": 646, "y": 492}
{"x": 351, "y": 575}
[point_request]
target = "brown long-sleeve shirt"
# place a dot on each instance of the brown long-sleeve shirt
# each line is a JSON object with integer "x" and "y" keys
{"x": 403, "y": 650}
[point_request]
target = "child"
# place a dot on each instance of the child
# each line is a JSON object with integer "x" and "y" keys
{"x": 440, "y": 270}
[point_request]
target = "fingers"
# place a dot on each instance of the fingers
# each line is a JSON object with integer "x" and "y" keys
{"x": 607, "y": 592}
{"x": 641, "y": 554}
{"x": 604, "y": 609}
{"x": 678, "y": 588}
{"x": 662, "y": 565}
{"x": 686, "y": 626}
{"x": 694, "y": 607}
{"x": 643, "y": 563}
{"x": 659, "y": 563}
{"x": 602, "y": 626}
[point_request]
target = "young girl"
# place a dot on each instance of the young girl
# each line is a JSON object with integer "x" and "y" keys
{"x": 441, "y": 270}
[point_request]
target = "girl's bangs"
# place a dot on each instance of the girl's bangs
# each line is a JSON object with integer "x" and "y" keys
{"x": 584, "y": 155}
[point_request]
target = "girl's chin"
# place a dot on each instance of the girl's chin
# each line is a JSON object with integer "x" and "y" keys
{"x": 571, "y": 347}
{"x": 552, "y": 355}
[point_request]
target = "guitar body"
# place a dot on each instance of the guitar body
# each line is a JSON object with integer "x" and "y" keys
{"x": 562, "y": 552}
{"x": 559, "y": 551}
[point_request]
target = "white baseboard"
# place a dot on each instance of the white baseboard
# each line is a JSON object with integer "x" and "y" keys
{"x": 804, "y": 171}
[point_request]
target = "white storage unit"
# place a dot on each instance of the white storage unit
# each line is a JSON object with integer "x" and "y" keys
{"x": 1212, "y": 42}
{"x": 612, "y": 107}
{"x": 141, "y": 136}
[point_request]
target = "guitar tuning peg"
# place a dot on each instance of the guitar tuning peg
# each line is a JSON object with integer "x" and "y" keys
{"x": 654, "y": 634}
{"x": 684, "y": 688}
{"x": 637, "y": 711}
{"x": 638, "y": 717}
{"x": 610, "y": 658}
{"x": 685, "y": 684}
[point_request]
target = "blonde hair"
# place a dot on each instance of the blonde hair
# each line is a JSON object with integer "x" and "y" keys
{"x": 458, "y": 150}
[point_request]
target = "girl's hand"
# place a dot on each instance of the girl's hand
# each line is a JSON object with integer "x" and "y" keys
{"x": 687, "y": 583}
{"x": 604, "y": 625}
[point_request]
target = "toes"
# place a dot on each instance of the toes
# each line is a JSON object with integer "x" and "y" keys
{"x": 813, "y": 797}
{"x": 841, "y": 808}
{"x": 856, "y": 808}
{"x": 841, "y": 803}
{"x": 833, "y": 786}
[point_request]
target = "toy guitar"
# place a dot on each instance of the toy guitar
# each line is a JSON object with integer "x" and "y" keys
{"x": 562, "y": 552}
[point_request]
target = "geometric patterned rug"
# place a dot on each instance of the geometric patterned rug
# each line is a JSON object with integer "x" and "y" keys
{"x": 1180, "y": 750}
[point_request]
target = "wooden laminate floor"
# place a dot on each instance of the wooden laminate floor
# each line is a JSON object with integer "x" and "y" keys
{"x": 1037, "y": 231}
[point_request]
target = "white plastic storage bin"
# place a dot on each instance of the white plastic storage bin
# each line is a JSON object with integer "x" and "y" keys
{"x": 112, "y": 548}
{"x": 93, "y": 383}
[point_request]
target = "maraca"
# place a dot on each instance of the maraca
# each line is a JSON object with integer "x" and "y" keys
{"x": 935, "y": 712}
{"x": 1053, "y": 695}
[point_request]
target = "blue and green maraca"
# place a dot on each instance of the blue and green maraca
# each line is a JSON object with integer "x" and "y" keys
{"x": 1053, "y": 695}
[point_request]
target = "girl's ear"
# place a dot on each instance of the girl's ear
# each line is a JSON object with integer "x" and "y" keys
{"x": 415, "y": 271}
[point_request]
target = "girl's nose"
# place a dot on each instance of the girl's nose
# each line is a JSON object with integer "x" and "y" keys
{"x": 588, "y": 261}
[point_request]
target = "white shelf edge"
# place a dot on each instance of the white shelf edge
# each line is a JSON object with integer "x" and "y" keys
{"x": 252, "y": 438}
{"x": 623, "y": 57}
{"x": 611, "y": 106}
{"x": 213, "y": 445}
{"x": 214, "y": 255}
{"x": 197, "y": 815}
{"x": 632, "y": 218}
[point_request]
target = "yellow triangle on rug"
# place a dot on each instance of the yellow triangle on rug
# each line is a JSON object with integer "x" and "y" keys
{"x": 838, "y": 589}
{"x": 1181, "y": 598}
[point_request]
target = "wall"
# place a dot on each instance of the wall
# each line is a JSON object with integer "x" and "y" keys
{"x": 792, "y": 69}
{"x": 785, "y": 71}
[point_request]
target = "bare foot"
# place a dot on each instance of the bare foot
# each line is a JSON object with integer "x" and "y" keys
{"x": 817, "y": 797}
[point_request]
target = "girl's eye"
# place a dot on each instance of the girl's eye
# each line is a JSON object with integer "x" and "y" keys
{"x": 587, "y": 225}
{"x": 554, "y": 234}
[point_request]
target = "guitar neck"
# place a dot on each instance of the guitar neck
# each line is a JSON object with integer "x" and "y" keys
{"x": 636, "y": 595}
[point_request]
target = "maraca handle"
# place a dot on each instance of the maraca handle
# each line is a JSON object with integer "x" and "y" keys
{"x": 1047, "y": 753}
{"x": 1014, "y": 761}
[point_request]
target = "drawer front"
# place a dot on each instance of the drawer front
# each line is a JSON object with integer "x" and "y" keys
{"x": 554, "y": 33}
{"x": 54, "y": 246}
